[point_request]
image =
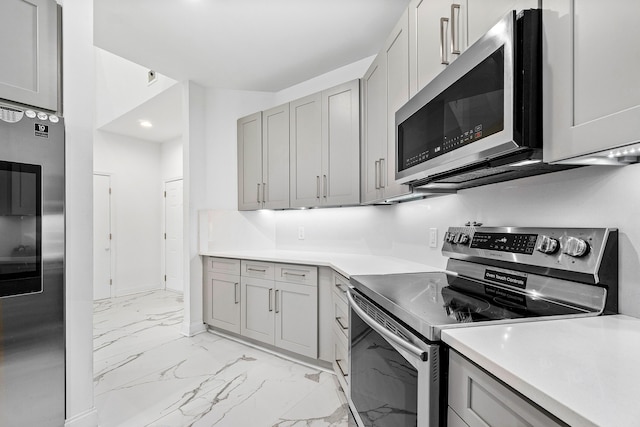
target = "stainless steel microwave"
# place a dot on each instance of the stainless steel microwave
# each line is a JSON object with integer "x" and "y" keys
{"x": 482, "y": 111}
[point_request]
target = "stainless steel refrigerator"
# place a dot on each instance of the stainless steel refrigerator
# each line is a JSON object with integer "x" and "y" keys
{"x": 32, "y": 346}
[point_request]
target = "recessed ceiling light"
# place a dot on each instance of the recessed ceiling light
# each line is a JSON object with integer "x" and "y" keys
{"x": 145, "y": 123}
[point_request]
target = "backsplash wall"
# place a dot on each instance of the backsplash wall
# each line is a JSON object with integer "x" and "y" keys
{"x": 585, "y": 197}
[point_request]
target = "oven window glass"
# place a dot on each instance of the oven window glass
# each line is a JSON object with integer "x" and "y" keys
{"x": 20, "y": 227}
{"x": 470, "y": 109}
{"x": 384, "y": 386}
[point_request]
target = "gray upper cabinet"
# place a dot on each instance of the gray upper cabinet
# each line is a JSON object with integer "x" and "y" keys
{"x": 250, "y": 162}
{"x": 306, "y": 150}
{"x": 325, "y": 148}
{"x": 341, "y": 145}
{"x": 29, "y": 52}
{"x": 591, "y": 92}
{"x": 482, "y": 14}
{"x": 275, "y": 158}
{"x": 385, "y": 88}
{"x": 438, "y": 35}
{"x": 263, "y": 160}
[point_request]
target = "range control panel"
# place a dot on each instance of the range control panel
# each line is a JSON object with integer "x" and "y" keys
{"x": 578, "y": 250}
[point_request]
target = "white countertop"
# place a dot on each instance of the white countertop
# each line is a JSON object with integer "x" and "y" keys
{"x": 584, "y": 371}
{"x": 346, "y": 264}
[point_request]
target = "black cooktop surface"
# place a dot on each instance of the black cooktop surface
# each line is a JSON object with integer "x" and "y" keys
{"x": 429, "y": 302}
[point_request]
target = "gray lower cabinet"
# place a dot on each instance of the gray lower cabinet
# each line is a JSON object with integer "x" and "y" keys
{"x": 340, "y": 315}
{"x": 477, "y": 399}
{"x": 29, "y": 52}
{"x": 273, "y": 303}
{"x": 222, "y": 293}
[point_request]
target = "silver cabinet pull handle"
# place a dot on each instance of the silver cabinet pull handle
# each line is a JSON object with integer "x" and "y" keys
{"x": 339, "y": 286}
{"x": 256, "y": 269}
{"x": 340, "y": 367}
{"x": 324, "y": 186}
{"x": 270, "y": 304}
{"x": 294, "y": 274}
{"x": 235, "y": 293}
{"x": 377, "y": 167}
{"x": 317, "y": 186}
{"x": 277, "y": 305}
{"x": 443, "y": 41}
{"x": 264, "y": 187}
{"x": 258, "y": 195}
{"x": 383, "y": 181}
{"x": 455, "y": 29}
{"x": 339, "y": 320}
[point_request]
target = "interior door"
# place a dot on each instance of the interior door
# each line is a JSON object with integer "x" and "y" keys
{"x": 101, "y": 236}
{"x": 173, "y": 236}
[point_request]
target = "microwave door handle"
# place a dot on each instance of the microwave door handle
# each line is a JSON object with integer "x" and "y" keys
{"x": 455, "y": 29}
{"x": 443, "y": 41}
{"x": 389, "y": 336}
{"x": 383, "y": 180}
{"x": 377, "y": 174}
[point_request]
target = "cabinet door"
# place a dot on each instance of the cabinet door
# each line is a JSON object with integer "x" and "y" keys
{"x": 482, "y": 14}
{"x": 438, "y": 30}
{"x": 275, "y": 157}
{"x": 222, "y": 301}
{"x": 306, "y": 151}
{"x": 250, "y": 162}
{"x": 481, "y": 401}
{"x": 296, "y": 316}
{"x": 374, "y": 128}
{"x": 591, "y": 93}
{"x": 397, "y": 59}
{"x": 340, "y": 181}
{"x": 257, "y": 319}
{"x": 29, "y": 52}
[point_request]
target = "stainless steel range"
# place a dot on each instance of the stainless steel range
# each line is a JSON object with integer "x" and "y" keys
{"x": 494, "y": 274}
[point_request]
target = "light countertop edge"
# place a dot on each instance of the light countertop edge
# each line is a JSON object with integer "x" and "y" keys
{"x": 346, "y": 264}
{"x": 584, "y": 371}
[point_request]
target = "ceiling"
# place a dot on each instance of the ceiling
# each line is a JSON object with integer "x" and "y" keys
{"x": 259, "y": 45}
{"x": 262, "y": 45}
{"x": 163, "y": 111}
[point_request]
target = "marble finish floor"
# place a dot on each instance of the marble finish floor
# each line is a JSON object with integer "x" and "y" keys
{"x": 148, "y": 374}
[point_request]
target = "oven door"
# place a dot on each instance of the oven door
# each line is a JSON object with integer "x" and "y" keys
{"x": 394, "y": 375}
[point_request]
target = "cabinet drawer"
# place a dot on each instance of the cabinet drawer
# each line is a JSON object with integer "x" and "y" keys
{"x": 481, "y": 400}
{"x": 340, "y": 357}
{"x": 258, "y": 269}
{"x": 222, "y": 265}
{"x": 301, "y": 274}
{"x": 341, "y": 316}
{"x": 340, "y": 286}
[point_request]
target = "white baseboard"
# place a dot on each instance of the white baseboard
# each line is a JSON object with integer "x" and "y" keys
{"x": 189, "y": 330}
{"x": 87, "y": 418}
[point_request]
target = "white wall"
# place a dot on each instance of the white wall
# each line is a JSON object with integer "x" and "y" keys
{"x": 121, "y": 85}
{"x": 223, "y": 109}
{"x": 586, "y": 197}
{"x": 136, "y": 181}
{"x": 79, "y": 99}
{"x": 171, "y": 159}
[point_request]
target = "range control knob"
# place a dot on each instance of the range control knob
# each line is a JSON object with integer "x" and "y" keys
{"x": 463, "y": 238}
{"x": 448, "y": 237}
{"x": 575, "y": 247}
{"x": 547, "y": 245}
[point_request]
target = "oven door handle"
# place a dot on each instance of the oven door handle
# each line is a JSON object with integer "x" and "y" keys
{"x": 386, "y": 334}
